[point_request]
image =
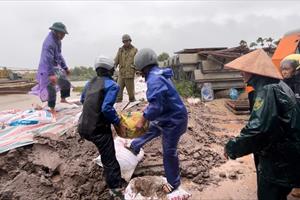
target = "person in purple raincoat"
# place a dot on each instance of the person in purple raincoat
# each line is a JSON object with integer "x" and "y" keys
{"x": 52, "y": 70}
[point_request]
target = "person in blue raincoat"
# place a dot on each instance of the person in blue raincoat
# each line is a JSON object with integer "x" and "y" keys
{"x": 167, "y": 115}
{"x": 98, "y": 98}
{"x": 52, "y": 69}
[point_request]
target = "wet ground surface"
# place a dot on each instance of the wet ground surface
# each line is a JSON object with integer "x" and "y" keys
{"x": 63, "y": 167}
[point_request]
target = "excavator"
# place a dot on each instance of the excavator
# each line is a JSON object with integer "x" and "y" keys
{"x": 289, "y": 44}
{"x": 13, "y": 83}
{"x": 6, "y": 74}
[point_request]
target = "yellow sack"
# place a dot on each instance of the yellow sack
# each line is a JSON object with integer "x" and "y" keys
{"x": 129, "y": 120}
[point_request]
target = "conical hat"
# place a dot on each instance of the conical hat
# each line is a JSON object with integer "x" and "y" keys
{"x": 256, "y": 62}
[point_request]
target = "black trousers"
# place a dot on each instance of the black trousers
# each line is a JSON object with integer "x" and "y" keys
{"x": 103, "y": 140}
{"x": 271, "y": 191}
{"x": 65, "y": 88}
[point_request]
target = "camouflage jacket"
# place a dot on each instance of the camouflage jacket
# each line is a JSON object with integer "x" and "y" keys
{"x": 124, "y": 59}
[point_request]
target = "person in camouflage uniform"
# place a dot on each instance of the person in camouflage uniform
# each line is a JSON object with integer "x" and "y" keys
{"x": 124, "y": 60}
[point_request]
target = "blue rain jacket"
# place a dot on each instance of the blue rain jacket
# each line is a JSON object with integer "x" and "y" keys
{"x": 111, "y": 90}
{"x": 168, "y": 117}
{"x": 165, "y": 104}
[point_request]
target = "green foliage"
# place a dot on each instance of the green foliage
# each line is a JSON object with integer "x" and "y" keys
{"x": 243, "y": 43}
{"x": 186, "y": 88}
{"x": 82, "y": 73}
{"x": 253, "y": 44}
{"x": 269, "y": 39}
{"x": 163, "y": 56}
{"x": 262, "y": 42}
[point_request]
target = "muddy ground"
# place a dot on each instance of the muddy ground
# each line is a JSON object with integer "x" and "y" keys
{"x": 63, "y": 168}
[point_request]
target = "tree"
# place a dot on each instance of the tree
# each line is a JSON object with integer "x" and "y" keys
{"x": 260, "y": 41}
{"x": 163, "y": 56}
{"x": 82, "y": 73}
{"x": 253, "y": 44}
{"x": 269, "y": 42}
{"x": 243, "y": 43}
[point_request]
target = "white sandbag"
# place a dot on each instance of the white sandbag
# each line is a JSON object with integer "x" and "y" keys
{"x": 151, "y": 187}
{"x": 127, "y": 160}
{"x": 145, "y": 188}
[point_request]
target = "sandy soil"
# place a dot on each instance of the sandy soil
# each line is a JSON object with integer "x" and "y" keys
{"x": 25, "y": 101}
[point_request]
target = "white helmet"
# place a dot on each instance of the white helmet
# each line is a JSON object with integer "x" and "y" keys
{"x": 104, "y": 62}
{"x": 143, "y": 58}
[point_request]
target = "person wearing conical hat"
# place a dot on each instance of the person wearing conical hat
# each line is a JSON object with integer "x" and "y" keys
{"x": 273, "y": 130}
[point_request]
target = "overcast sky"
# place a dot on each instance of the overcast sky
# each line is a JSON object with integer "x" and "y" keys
{"x": 166, "y": 26}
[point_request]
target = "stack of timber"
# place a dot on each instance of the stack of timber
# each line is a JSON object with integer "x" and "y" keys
{"x": 202, "y": 65}
{"x": 238, "y": 107}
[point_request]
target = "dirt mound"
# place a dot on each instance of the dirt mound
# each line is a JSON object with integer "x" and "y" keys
{"x": 197, "y": 156}
{"x": 53, "y": 168}
{"x": 63, "y": 168}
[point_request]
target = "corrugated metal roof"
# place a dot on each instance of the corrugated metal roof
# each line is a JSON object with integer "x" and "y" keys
{"x": 231, "y": 53}
{"x": 196, "y": 50}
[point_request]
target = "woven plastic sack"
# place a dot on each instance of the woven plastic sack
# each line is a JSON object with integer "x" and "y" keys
{"x": 150, "y": 187}
{"x": 127, "y": 160}
{"x": 130, "y": 120}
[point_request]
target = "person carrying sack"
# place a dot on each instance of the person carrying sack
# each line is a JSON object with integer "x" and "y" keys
{"x": 98, "y": 98}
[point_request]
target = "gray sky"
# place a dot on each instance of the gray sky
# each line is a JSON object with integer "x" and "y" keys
{"x": 96, "y": 27}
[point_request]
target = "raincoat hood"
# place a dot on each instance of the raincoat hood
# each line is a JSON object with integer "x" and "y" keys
{"x": 165, "y": 72}
{"x": 258, "y": 81}
{"x": 256, "y": 62}
{"x": 165, "y": 104}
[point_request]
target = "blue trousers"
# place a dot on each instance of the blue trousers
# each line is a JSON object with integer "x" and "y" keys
{"x": 170, "y": 139}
